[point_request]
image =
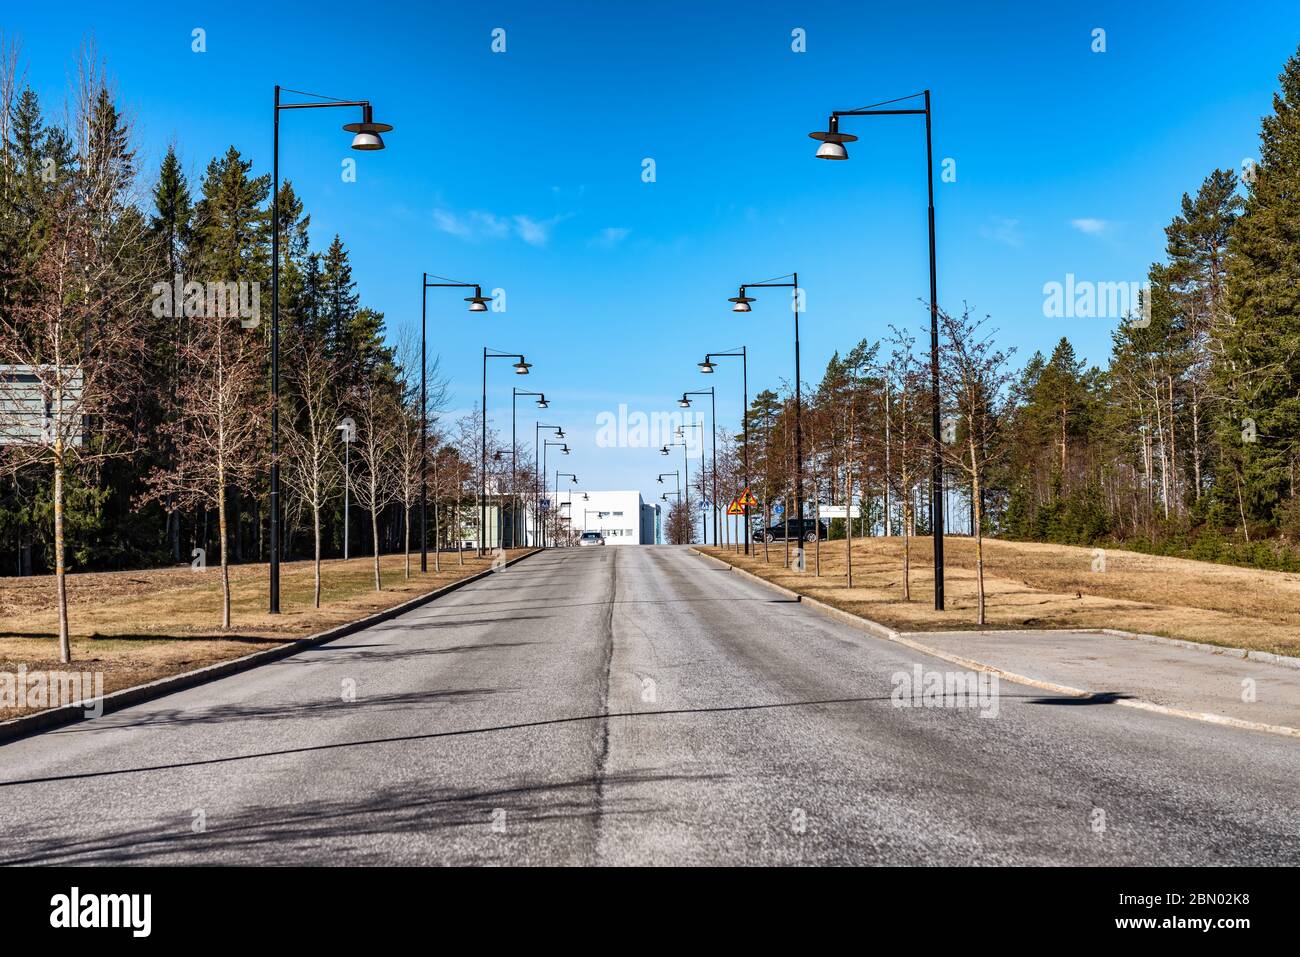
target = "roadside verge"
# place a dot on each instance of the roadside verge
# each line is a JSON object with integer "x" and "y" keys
{"x": 25, "y": 725}
{"x": 1285, "y": 682}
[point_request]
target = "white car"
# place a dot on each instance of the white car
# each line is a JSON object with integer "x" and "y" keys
{"x": 591, "y": 538}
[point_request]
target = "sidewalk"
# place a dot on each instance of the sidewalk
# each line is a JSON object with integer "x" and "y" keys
{"x": 1162, "y": 674}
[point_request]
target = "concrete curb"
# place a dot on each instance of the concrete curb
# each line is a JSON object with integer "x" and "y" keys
{"x": 878, "y": 630}
{"x": 30, "y": 724}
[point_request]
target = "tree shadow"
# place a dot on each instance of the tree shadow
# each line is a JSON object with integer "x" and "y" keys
{"x": 335, "y": 830}
{"x": 326, "y": 707}
{"x": 1096, "y": 697}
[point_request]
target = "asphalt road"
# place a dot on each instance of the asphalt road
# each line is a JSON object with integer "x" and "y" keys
{"x": 634, "y": 705}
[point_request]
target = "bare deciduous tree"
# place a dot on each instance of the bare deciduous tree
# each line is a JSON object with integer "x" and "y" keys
{"x": 219, "y": 428}
{"x": 379, "y": 416}
{"x": 69, "y": 364}
{"x": 312, "y": 469}
{"x": 975, "y": 377}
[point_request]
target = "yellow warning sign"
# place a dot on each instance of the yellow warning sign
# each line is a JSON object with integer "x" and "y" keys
{"x": 747, "y": 499}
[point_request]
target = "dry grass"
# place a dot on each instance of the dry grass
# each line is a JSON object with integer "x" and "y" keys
{"x": 1031, "y": 585}
{"x": 139, "y": 626}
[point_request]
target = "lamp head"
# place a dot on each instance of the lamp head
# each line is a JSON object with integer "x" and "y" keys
{"x": 833, "y": 141}
{"x": 542, "y": 403}
{"x": 478, "y": 302}
{"x": 367, "y": 131}
{"x": 684, "y": 402}
{"x": 522, "y": 367}
{"x": 706, "y": 366}
{"x": 741, "y": 301}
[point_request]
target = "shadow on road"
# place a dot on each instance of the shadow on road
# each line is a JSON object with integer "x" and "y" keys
{"x": 293, "y": 834}
{"x": 1097, "y": 697}
{"x": 324, "y": 708}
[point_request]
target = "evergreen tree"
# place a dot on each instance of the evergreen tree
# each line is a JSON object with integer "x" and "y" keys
{"x": 1259, "y": 373}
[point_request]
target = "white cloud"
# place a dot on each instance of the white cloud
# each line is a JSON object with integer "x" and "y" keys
{"x": 533, "y": 232}
{"x": 1090, "y": 227}
{"x": 478, "y": 224}
{"x": 1004, "y": 231}
{"x": 610, "y": 236}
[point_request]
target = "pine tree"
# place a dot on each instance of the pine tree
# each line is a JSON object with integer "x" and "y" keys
{"x": 1260, "y": 366}
{"x": 232, "y": 235}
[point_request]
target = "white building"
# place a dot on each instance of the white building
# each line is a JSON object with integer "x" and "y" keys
{"x": 622, "y": 517}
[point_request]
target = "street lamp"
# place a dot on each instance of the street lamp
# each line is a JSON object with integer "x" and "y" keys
{"x": 538, "y": 475}
{"x": 514, "y": 493}
{"x": 833, "y": 148}
{"x": 367, "y": 137}
{"x": 707, "y": 367}
{"x": 677, "y": 476}
{"x": 742, "y": 302}
{"x": 521, "y": 368}
{"x": 501, "y": 527}
{"x": 477, "y": 303}
{"x": 685, "y": 402}
{"x": 564, "y": 450}
{"x": 559, "y": 506}
{"x": 348, "y": 428}
{"x": 686, "y": 465}
{"x": 682, "y": 434}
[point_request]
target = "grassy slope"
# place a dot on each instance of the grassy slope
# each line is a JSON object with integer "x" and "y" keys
{"x": 1053, "y": 586}
{"x": 138, "y": 626}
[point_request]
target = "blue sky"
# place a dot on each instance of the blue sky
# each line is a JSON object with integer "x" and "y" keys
{"x": 523, "y": 169}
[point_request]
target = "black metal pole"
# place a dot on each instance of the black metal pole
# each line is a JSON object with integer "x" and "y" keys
{"x": 798, "y": 417}
{"x": 713, "y": 425}
{"x": 514, "y": 449}
{"x": 482, "y": 498}
{"x": 537, "y": 491}
{"x": 275, "y": 362}
{"x": 744, "y": 375}
{"x": 424, "y": 427}
{"x": 936, "y": 475}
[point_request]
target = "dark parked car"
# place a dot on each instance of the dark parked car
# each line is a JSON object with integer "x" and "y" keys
{"x": 812, "y": 530}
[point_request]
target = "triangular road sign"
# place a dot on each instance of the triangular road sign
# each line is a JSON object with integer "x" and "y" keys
{"x": 747, "y": 498}
{"x": 735, "y": 508}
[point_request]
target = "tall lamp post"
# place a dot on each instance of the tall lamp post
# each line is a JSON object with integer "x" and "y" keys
{"x": 366, "y": 137}
{"x": 573, "y": 480}
{"x": 741, "y": 303}
{"x": 539, "y": 473}
{"x": 686, "y": 466}
{"x": 674, "y": 474}
{"x": 521, "y": 368}
{"x": 681, "y": 433}
{"x": 707, "y": 367}
{"x": 564, "y": 450}
{"x": 348, "y": 428}
{"x": 514, "y": 455}
{"x": 685, "y": 403}
{"x": 833, "y": 148}
{"x": 477, "y": 303}
{"x": 501, "y": 526}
